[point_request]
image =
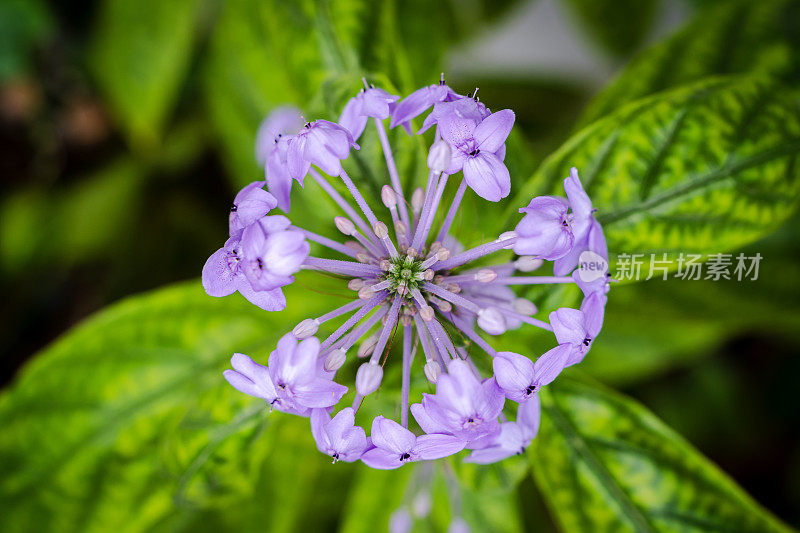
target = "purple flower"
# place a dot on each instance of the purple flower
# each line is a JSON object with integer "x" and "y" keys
{"x": 280, "y": 121}
{"x": 370, "y": 102}
{"x": 271, "y": 253}
{"x": 465, "y": 108}
{"x": 462, "y": 406}
{"x": 396, "y": 446}
{"x": 473, "y": 150}
{"x": 578, "y": 328}
{"x": 588, "y": 234}
{"x": 322, "y": 143}
{"x": 520, "y": 378}
{"x": 513, "y": 438}
{"x": 279, "y": 182}
{"x": 250, "y": 204}
{"x": 338, "y": 437}
{"x": 253, "y": 379}
{"x": 546, "y": 229}
{"x": 223, "y": 275}
{"x": 418, "y": 102}
{"x": 297, "y": 376}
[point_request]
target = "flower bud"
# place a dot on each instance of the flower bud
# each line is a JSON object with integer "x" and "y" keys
{"x": 524, "y": 307}
{"x": 367, "y": 346}
{"x": 443, "y": 254}
{"x": 426, "y": 313}
{"x": 368, "y": 378}
{"x": 355, "y": 284}
{"x": 381, "y": 231}
{"x": 432, "y": 371}
{"x": 417, "y": 198}
{"x": 439, "y": 156}
{"x": 345, "y": 225}
{"x": 491, "y": 321}
{"x": 335, "y": 360}
{"x": 405, "y": 320}
{"x": 486, "y": 275}
{"x": 388, "y": 196}
{"x": 527, "y": 263}
{"x": 306, "y": 328}
{"x": 506, "y": 236}
{"x": 385, "y": 265}
{"x": 435, "y": 245}
{"x": 411, "y": 252}
{"x": 400, "y": 228}
{"x": 355, "y": 246}
{"x": 428, "y": 274}
{"x": 366, "y": 292}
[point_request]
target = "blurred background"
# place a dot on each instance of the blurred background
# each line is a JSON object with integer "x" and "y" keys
{"x": 126, "y": 127}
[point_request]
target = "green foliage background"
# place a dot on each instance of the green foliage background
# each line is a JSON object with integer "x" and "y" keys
{"x": 125, "y": 424}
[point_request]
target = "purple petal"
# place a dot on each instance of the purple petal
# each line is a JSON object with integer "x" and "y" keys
{"x": 319, "y": 420}
{"x": 491, "y": 400}
{"x": 492, "y": 133}
{"x": 593, "y": 308}
{"x": 428, "y": 424}
{"x": 414, "y": 105}
{"x": 390, "y": 435}
{"x": 578, "y": 199}
{"x": 273, "y": 300}
{"x": 279, "y": 182}
{"x": 352, "y": 119}
{"x": 569, "y": 325}
{"x": 487, "y": 176}
{"x": 514, "y": 373}
{"x": 218, "y": 279}
{"x": 550, "y": 364}
{"x": 382, "y": 459}
{"x": 295, "y": 159}
{"x": 280, "y": 121}
{"x": 430, "y": 447}
{"x": 243, "y": 384}
{"x": 256, "y": 204}
{"x": 319, "y": 393}
{"x": 528, "y": 416}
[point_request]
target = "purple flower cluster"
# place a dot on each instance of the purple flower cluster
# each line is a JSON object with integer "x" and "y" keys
{"x": 417, "y": 282}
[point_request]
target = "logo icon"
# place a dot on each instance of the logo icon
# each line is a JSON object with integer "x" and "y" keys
{"x": 591, "y": 266}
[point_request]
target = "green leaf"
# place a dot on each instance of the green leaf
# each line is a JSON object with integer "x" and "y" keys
{"x": 733, "y": 37}
{"x": 605, "y": 463}
{"x": 24, "y": 25}
{"x": 620, "y": 27}
{"x": 140, "y": 54}
{"x": 703, "y": 169}
{"x": 126, "y": 424}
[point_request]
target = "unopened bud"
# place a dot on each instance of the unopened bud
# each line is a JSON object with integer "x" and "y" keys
{"x": 439, "y": 156}
{"x": 524, "y": 307}
{"x": 405, "y": 320}
{"x": 362, "y": 257}
{"x": 306, "y": 328}
{"x": 491, "y": 321}
{"x": 345, "y": 225}
{"x": 367, "y": 346}
{"x": 443, "y": 254}
{"x": 432, "y": 371}
{"x": 366, "y": 292}
{"x": 400, "y": 228}
{"x": 527, "y": 263}
{"x": 506, "y": 236}
{"x": 428, "y": 274}
{"x": 335, "y": 360}
{"x": 385, "y": 265}
{"x": 368, "y": 378}
{"x": 388, "y": 196}
{"x": 355, "y": 284}
{"x": 435, "y": 246}
{"x": 455, "y": 288}
{"x": 444, "y": 306}
{"x": 355, "y": 246}
{"x": 402, "y": 288}
{"x": 411, "y": 252}
{"x": 486, "y": 275}
{"x": 380, "y": 229}
{"x": 426, "y": 313}
{"x": 417, "y": 198}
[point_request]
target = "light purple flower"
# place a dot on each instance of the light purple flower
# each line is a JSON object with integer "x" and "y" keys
{"x": 465, "y": 108}
{"x": 322, "y": 143}
{"x": 513, "y": 438}
{"x": 297, "y": 377}
{"x": 279, "y": 182}
{"x": 338, "y": 437}
{"x": 396, "y": 446}
{"x": 474, "y": 145}
{"x": 253, "y": 379}
{"x": 588, "y": 234}
{"x": 462, "y": 406}
{"x": 579, "y": 327}
{"x": 271, "y": 252}
{"x": 418, "y": 102}
{"x": 520, "y": 378}
{"x": 546, "y": 229}
{"x": 371, "y": 102}
{"x": 250, "y": 204}
{"x": 223, "y": 275}
{"x": 279, "y": 122}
